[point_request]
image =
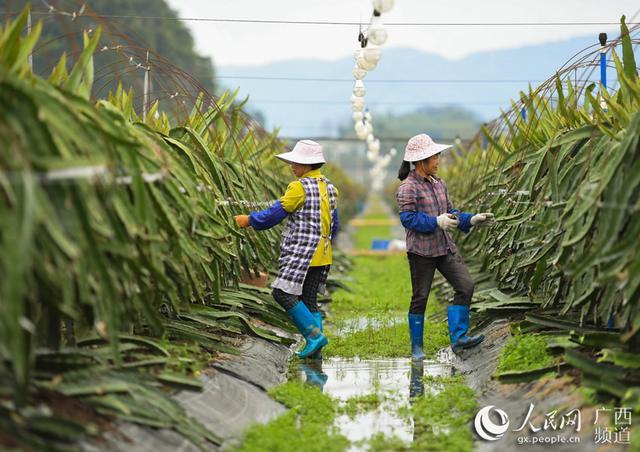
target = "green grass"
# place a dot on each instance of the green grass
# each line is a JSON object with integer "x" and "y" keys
{"x": 384, "y": 342}
{"x": 635, "y": 438}
{"x": 379, "y": 285}
{"x": 381, "y": 443}
{"x": 442, "y": 417}
{"x": 524, "y": 352}
{"x": 366, "y": 234}
{"x": 361, "y": 404}
{"x": 381, "y": 293}
{"x": 308, "y": 425}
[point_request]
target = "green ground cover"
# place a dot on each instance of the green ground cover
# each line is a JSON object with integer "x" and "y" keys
{"x": 379, "y": 297}
{"x": 361, "y": 404}
{"x": 442, "y": 416}
{"x": 524, "y": 352}
{"x": 385, "y": 342}
{"x": 308, "y": 425}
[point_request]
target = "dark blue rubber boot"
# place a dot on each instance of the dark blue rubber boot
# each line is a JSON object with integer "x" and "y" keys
{"x": 416, "y": 331}
{"x": 314, "y": 374}
{"x": 458, "y": 317}
{"x": 416, "y": 382}
{"x": 306, "y": 324}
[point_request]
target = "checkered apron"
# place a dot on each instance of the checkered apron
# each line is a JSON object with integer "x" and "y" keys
{"x": 300, "y": 239}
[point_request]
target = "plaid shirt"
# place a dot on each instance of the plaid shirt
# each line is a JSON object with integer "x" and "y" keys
{"x": 300, "y": 239}
{"x": 421, "y": 194}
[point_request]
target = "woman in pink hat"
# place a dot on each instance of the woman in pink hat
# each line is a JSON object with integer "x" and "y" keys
{"x": 429, "y": 218}
{"x": 310, "y": 203}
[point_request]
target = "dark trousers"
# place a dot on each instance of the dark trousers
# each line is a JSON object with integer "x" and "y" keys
{"x": 451, "y": 266}
{"x": 309, "y": 291}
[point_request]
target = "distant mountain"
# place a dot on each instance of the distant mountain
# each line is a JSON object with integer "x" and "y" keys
{"x": 319, "y": 108}
{"x": 171, "y": 39}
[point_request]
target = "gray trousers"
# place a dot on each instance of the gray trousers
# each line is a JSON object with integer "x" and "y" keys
{"x": 454, "y": 270}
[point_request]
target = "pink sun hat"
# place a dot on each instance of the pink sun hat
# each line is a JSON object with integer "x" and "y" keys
{"x": 421, "y": 147}
{"x": 306, "y": 152}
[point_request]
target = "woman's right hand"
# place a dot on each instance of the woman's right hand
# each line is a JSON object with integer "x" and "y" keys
{"x": 242, "y": 221}
{"x": 447, "y": 222}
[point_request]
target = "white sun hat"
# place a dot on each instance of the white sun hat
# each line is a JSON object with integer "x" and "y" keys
{"x": 306, "y": 152}
{"x": 421, "y": 147}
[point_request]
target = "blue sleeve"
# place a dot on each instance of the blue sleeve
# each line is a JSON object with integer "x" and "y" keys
{"x": 336, "y": 223}
{"x": 267, "y": 218}
{"x": 418, "y": 221}
{"x": 465, "y": 220}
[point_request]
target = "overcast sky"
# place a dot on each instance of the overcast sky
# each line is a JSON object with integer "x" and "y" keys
{"x": 249, "y": 44}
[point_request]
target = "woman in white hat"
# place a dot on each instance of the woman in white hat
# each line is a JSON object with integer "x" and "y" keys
{"x": 429, "y": 218}
{"x": 310, "y": 203}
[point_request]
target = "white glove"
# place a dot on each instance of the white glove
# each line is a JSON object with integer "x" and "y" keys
{"x": 446, "y": 222}
{"x": 483, "y": 219}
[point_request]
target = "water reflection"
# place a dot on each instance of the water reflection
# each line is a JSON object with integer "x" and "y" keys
{"x": 416, "y": 384}
{"x": 396, "y": 381}
{"x": 312, "y": 369}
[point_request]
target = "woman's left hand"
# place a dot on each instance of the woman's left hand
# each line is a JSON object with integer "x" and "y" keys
{"x": 483, "y": 219}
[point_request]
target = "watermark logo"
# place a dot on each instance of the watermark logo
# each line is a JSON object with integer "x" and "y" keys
{"x": 555, "y": 427}
{"x": 486, "y": 428}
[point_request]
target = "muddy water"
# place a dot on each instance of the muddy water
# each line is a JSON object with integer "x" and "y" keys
{"x": 395, "y": 381}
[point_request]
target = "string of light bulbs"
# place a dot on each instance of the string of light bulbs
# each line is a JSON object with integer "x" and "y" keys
{"x": 367, "y": 57}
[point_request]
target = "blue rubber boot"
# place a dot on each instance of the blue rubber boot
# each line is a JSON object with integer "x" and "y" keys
{"x": 306, "y": 324}
{"x": 416, "y": 330}
{"x": 458, "y": 317}
{"x": 318, "y": 318}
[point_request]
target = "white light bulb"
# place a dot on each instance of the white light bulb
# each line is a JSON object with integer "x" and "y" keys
{"x": 358, "y": 89}
{"x": 357, "y": 116}
{"x": 363, "y": 63}
{"x": 357, "y": 101}
{"x": 377, "y": 34}
{"x": 358, "y": 74}
{"x": 370, "y": 138}
{"x": 357, "y": 108}
{"x": 372, "y": 55}
{"x": 374, "y": 146}
{"x": 360, "y": 133}
{"x": 368, "y": 116}
{"x": 383, "y": 6}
